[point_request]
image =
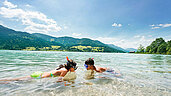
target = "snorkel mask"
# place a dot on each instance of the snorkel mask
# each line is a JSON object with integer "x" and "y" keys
{"x": 86, "y": 66}
{"x": 70, "y": 64}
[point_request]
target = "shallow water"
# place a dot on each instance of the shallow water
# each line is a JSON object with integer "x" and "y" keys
{"x": 142, "y": 74}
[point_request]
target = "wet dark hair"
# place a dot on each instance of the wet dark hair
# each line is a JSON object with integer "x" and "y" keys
{"x": 60, "y": 66}
{"x": 89, "y": 61}
{"x": 71, "y": 64}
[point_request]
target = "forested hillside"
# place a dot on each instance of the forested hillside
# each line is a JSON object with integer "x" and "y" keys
{"x": 16, "y": 40}
{"x": 159, "y": 46}
{"x": 75, "y": 44}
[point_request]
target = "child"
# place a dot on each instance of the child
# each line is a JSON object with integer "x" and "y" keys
{"x": 89, "y": 64}
{"x": 65, "y": 72}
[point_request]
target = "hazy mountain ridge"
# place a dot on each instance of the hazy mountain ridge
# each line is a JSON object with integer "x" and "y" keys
{"x": 131, "y": 49}
{"x": 116, "y": 47}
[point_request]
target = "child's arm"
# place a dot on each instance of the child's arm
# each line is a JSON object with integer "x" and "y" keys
{"x": 96, "y": 69}
{"x": 16, "y": 79}
{"x": 63, "y": 73}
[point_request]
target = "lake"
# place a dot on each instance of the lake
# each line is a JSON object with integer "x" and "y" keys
{"x": 142, "y": 74}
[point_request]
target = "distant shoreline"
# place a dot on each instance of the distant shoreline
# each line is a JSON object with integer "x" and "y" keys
{"x": 151, "y": 53}
{"x": 57, "y": 51}
{"x": 84, "y": 52}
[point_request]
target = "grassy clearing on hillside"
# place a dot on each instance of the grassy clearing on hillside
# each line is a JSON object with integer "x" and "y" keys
{"x": 88, "y": 48}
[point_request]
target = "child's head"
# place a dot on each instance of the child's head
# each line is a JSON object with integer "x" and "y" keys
{"x": 60, "y": 66}
{"x": 89, "y": 61}
{"x": 71, "y": 64}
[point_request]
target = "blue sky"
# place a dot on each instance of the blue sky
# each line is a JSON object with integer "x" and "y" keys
{"x": 125, "y": 23}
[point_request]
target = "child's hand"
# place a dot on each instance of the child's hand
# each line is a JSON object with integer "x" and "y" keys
{"x": 60, "y": 79}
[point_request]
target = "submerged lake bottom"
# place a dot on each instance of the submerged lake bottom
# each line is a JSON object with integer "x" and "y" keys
{"x": 142, "y": 74}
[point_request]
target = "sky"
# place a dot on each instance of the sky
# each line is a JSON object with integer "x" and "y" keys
{"x": 124, "y": 23}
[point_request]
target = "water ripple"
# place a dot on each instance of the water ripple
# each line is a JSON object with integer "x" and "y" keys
{"x": 142, "y": 75}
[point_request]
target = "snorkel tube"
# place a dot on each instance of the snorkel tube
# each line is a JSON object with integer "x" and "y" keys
{"x": 67, "y": 58}
{"x": 70, "y": 63}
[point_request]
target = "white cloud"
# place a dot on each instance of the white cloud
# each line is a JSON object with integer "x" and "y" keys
{"x": 9, "y": 4}
{"x": 1, "y": 23}
{"x": 28, "y": 5}
{"x": 107, "y": 40}
{"x": 34, "y": 21}
{"x": 149, "y": 35}
{"x": 127, "y": 43}
{"x": 65, "y": 27}
{"x": 76, "y": 34}
{"x": 137, "y": 36}
{"x": 160, "y": 26}
{"x": 155, "y": 27}
{"x": 134, "y": 43}
{"x": 152, "y": 25}
{"x": 116, "y": 25}
{"x": 167, "y": 25}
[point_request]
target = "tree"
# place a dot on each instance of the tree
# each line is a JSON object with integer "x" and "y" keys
{"x": 155, "y": 44}
{"x": 148, "y": 49}
{"x": 140, "y": 49}
{"x": 162, "y": 48}
{"x": 168, "y": 49}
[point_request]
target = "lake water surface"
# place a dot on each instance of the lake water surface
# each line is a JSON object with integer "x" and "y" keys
{"x": 142, "y": 74}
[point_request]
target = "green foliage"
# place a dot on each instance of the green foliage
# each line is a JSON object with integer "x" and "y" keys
{"x": 140, "y": 49}
{"x": 168, "y": 48}
{"x": 155, "y": 44}
{"x": 169, "y": 51}
{"x": 159, "y": 46}
{"x": 16, "y": 40}
{"x": 69, "y": 42}
{"x": 162, "y": 48}
{"x": 147, "y": 49}
{"x": 87, "y": 48}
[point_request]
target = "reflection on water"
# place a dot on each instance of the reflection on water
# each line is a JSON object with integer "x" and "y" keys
{"x": 157, "y": 57}
{"x": 163, "y": 71}
{"x": 142, "y": 74}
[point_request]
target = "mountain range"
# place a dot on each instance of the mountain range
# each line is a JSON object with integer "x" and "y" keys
{"x": 131, "y": 49}
{"x": 18, "y": 40}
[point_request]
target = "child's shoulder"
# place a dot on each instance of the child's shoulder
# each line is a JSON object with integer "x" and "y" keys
{"x": 62, "y": 69}
{"x": 91, "y": 67}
